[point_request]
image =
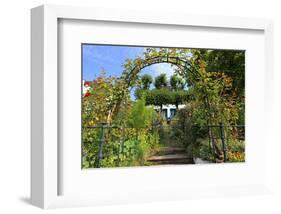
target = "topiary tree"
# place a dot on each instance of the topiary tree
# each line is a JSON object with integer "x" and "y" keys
{"x": 161, "y": 81}
{"x": 176, "y": 82}
{"x": 179, "y": 97}
{"x": 146, "y": 81}
{"x": 138, "y": 93}
{"x": 158, "y": 97}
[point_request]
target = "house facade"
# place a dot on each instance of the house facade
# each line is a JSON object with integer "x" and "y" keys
{"x": 169, "y": 111}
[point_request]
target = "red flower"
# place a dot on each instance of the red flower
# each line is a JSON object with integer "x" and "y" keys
{"x": 87, "y": 83}
{"x": 87, "y": 94}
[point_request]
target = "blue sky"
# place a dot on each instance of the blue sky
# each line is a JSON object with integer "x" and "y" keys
{"x": 111, "y": 58}
{"x": 97, "y": 58}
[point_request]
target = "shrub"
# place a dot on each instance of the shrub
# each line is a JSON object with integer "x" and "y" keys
{"x": 141, "y": 116}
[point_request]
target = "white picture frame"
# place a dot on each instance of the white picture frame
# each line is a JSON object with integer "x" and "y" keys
{"x": 45, "y": 90}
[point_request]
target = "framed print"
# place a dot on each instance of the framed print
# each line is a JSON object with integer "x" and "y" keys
{"x": 131, "y": 106}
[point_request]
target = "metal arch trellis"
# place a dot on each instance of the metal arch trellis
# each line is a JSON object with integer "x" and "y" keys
{"x": 183, "y": 65}
{"x": 177, "y": 61}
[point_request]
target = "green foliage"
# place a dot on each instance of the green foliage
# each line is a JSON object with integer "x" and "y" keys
{"x": 235, "y": 153}
{"x": 139, "y": 143}
{"x": 90, "y": 138}
{"x": 176, "y": 82}
{"x": 135, "y": 150}
{"x": 188, "y": 128}
{"x": 202, "y": 150}
{"x": 215, "y": 80}
{"x": 146, "y": 81}
{"x": 139, "y": 93}
{"x": 141, "y": 115}
{"x": 158, "y": 97}
{"x": 230, "y": 62}
{"x": 164, "y": 96}
{"x": 180, "y": 97}
{"x": 139, "y": 140}
{"x": 215, "y": 89}
{"x": 161, "y": 81}
{"x": 105, "y": 97}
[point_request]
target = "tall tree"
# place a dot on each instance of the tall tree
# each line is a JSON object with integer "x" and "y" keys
{"x": 176, "y": 82}
{"x": 161, "y": 81}
{"x": 146, "y": 81}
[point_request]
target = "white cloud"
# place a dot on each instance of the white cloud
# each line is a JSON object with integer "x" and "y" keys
{"x": 161, "y": 68}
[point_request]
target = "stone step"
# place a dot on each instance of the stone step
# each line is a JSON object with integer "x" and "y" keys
{"x": 171, "y": 159}
{"x": 170, "y": 150}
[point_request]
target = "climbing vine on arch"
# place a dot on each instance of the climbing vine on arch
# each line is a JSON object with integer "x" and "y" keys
{"x": 212, "y": 91}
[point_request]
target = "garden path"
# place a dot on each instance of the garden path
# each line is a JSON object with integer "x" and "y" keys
{"x": 170, "y": 155}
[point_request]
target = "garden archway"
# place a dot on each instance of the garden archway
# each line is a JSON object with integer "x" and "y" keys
{"x": 133, "y": 68}
{"x": 130, "y": 76}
